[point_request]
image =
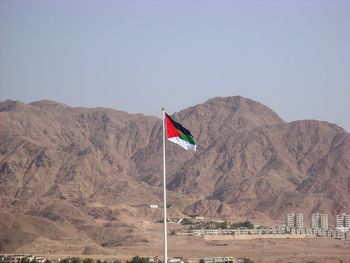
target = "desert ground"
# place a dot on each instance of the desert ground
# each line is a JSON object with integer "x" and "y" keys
{"x": 264, "y": 250}
{"x": 260, "y": 250}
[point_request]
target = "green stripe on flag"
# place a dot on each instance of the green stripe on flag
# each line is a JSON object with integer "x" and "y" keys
{"x": 187, "y": 139}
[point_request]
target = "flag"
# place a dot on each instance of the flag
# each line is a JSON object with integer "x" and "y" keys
{"x": 176, "y": 133}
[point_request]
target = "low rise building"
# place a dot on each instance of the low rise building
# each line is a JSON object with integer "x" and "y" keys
{"x": 193, "y": 260}
{"x": 18, "y": 258}
{"x": 176, "y": 260}
{"x": 241, "y": 231}
{"x": 208, "y": 260}
{"x": 297, "y": 231}
{"x": 211, "y": 232}
{"x": 11, "y": 258}
{"x": 224, "y": 260}
{"x": 279, "y": 229}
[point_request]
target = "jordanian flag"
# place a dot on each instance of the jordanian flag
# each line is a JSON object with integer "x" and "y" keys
{"x": 176, "y": 133}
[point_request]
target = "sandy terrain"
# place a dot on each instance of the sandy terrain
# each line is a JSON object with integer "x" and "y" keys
{"x": 260, "y": 250}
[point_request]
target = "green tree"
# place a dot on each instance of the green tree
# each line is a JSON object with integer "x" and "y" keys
{"x": 186, "y": 221}
{"x": 201, "y": 261}
{"x": 24, "y": 260}
{"x": 65, "y": 260}
{"x": 138, "y": 259}
{"x": 87, "y": 260}
{"x": 248, "y": 224}
{"x": 222, "y": 225}
{"x": 74, "y": 260}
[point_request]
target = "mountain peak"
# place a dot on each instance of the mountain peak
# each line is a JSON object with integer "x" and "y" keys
{"x": 241, "y": 104}
{"x": 10, "y": 105}
{"x": 48, "y": 103}
{"x": 228, "y": 114}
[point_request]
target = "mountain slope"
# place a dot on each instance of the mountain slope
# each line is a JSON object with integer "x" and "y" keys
{"x": 97, "y": 170}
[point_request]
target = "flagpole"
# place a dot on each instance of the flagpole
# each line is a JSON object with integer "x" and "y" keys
{"x": 164, "y": 195}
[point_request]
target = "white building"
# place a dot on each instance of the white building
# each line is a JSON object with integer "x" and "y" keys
{"x": 319, "y": 220}
{"x": 224, "y": 260}
{"x": 11, "y": 258}
{"x": 211, "y": 232}
{"x": 295, "y": 220}
{"x": 343, "y": 220}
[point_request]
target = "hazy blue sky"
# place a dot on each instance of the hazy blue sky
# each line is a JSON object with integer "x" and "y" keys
{"x": 140, "y": 56}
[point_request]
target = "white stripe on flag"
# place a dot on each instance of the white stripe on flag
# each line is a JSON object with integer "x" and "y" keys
{"x": 183, "y": 144}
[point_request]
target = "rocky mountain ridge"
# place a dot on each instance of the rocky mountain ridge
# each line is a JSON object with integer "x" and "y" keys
{"x": 95, "y": 171}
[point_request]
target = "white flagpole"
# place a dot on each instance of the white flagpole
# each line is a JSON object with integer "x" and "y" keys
{"x": 164, "y": 195}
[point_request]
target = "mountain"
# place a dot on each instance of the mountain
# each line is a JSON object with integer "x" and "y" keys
{"x": 89, "y": 175}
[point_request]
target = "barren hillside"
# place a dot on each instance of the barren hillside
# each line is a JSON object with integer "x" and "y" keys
{"x": 95, "y": 171}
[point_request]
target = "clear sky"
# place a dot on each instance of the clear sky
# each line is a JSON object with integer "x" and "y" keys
{"x": 140, "y": 56}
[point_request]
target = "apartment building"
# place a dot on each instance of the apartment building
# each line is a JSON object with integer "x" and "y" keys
{"x": 343, "y": 220}
{"x": 319, "y": 220}
{"x": 295, "y": 220}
